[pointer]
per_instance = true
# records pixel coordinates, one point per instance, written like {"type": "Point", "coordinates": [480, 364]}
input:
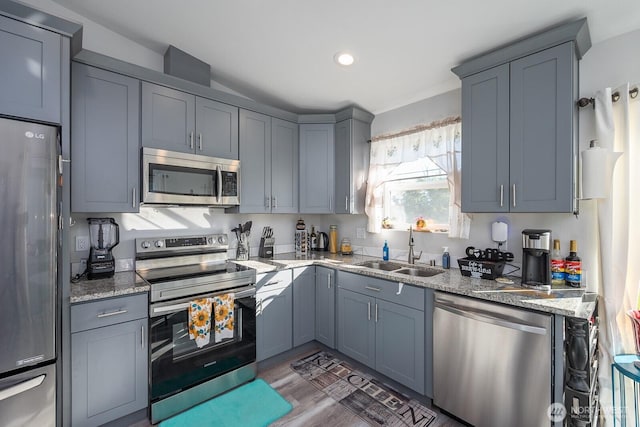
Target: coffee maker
{"type": "Point", "coordinates": [536, 257]}
{"type": "Point", "coordinates": [104, 234]}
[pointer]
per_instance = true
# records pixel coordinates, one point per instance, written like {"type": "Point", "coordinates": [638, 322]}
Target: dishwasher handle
{"type": "Point", "coordinates": [481, 317]}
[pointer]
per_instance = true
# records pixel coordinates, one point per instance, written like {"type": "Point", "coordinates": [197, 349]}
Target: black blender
{"type": "Point", "coordinates": [105, 235]}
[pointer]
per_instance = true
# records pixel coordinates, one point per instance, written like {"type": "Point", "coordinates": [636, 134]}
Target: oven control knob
{"type": "Point", "coordinates": [145, 244]}
{"type": "Point", "coordinates": [222, 240]}
{"type": "Point", "coordinates": [210, 240]}
{"type": "Point", "coordinates": [159, 243]}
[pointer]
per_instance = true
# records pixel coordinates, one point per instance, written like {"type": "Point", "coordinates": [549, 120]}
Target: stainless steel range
{"type": "Point", "coordinates": [179, 271]}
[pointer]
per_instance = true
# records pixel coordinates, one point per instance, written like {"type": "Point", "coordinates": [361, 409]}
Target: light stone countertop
{"type": "Point", "coordinates": [564, 301]}
{"type": "Point", "coordinates": [122, 283]}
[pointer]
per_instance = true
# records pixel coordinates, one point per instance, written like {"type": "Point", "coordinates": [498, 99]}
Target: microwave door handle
{"type": "Point", "coordinates": [219, 194]}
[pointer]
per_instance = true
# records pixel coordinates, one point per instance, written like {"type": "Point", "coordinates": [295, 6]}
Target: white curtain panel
{"type": "Point", "coordinates": [618, 129]}
{"type": "Point", "coordinates": [442, 146]}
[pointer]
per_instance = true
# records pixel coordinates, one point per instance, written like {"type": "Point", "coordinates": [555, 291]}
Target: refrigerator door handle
{"type": "Point", "coordinates": [21, 387]}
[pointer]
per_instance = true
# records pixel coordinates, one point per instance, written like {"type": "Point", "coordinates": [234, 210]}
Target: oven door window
{"type": "Point", "coordinates": [177, 363]}
{"type": "Point", "coordinates": [179, 180]}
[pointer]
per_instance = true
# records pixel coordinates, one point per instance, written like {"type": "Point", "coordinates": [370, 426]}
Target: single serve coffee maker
{"type": "Point", "coordinates": [105, 235]}
{"type": "Point", "coordinates": [536, 258]}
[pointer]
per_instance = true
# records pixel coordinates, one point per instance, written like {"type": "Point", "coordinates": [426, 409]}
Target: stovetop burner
{"type": "Point", "coordinates": [185, 266]}
{"type": "Point", "coordinates": [189, 271]}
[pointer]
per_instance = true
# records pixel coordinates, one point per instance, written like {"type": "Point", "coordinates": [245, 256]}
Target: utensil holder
{"type": "Point", "coordinates": [242, 251]}
{"type": "Point", "coordinates": [266, 247]}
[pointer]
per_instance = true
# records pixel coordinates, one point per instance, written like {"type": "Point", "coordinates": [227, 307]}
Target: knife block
{"type": "Point", "coordinates": [266, 247]}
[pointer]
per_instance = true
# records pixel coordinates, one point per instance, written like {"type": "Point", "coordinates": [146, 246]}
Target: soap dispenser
{"type": "Point", "coordinates": [445, 258]}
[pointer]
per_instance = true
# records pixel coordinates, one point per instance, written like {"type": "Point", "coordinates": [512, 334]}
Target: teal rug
{"type": "Point", "coordinates": [254, 404]}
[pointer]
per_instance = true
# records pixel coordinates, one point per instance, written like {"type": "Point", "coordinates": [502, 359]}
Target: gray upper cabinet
{"type": "Point", "coordinates": [284, 166]}
{"type": "Point", "coordinates": [542, 102]}
{"type": "Point", "coordinates": [519, 124]}
{"type": "Point", "coordinates": [351, 165]}
{"type": "Point", "coordinates": [485, 141]}
{"type": "Point", "coordinates": [216, 129]}
{"type": "Point", "coordinates": [316, 168]}
{"type": "Point", "coordinates": [105, 141]}
{"type": "Point", "coordinates": [178, 121]}
{"type": "Point", "coordinates": [304, 305]}
{"type": "Point", "coordinates": [325, 306]}
{"type": "Point", "coordinates": [269, 164]}
{"type": "Point", "coordinates": [168, 118]}
{"type": "Point", "coordinates": [31, 71]}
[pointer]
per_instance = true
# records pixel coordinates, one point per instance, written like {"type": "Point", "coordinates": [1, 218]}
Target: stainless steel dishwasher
{"type": "Point", "coordinates": [491, 362]}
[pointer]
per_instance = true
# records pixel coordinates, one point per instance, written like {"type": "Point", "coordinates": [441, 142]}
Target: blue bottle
{"type": "Point", "coordinates": [445, 258]}
{"type": "Point", "coordinates": [385, 252]}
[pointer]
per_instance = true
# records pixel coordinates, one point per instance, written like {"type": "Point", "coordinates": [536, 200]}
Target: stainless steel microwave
{"type": "Point", "coordinates": [173, 178]}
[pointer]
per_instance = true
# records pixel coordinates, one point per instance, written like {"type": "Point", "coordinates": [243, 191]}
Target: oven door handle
{"type": "Point", "coordinates": [158, 310]}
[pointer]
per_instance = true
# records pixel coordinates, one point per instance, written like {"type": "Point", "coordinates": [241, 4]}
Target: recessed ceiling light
{"type": "Point", "coordinates": [343, 58]}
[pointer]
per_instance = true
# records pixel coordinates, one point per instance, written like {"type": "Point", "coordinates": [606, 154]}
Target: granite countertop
{"type": "Point", "coordinates": [122, 283]}
{"type": "Point", "coordinates": [562, 301]}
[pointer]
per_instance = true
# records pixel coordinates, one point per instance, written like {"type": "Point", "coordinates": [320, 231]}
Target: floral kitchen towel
{"type": "Point", "coordinates": [223, 306]}
{"type": "Point", "coordinates": [200, 321]}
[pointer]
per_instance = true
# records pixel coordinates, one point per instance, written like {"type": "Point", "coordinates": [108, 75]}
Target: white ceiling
{"type": "Point", "coordinates": [280, 52]}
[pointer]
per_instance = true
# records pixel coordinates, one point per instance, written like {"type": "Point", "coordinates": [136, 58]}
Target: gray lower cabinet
{"type": "Point", "coordinates": [304, 305]}
{"type": "Point", "coordinates": [105, 141]}
{"type": "Point", "coordinates": [518, 134]}
{"type": "Point", "coordinates": [382, 328]}
{"type": "Point", "coordinates": [269, 164]}
{"type": "Point", "coordinates": [179, 121]}
{"type": "Point", "coordinates": [317, 168]}
{"type": "Point", "coordinates": [109, 359]}
{"type": "Point", "coordinates": [30, 74]}
{"type": "Point", "coordinates": [325, 299]}
{"type": "Point", "coordinates": [274, 317]}
{"type": "Point", "coordinates": [351, 165]}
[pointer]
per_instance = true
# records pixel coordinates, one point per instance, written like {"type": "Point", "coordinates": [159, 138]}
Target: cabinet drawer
{"type": "Point", "coordinates": [107, 312]}
{"type": "Point", "coordinates": [387, 290]}
{"type": "Point", "coordinates": [274, 280]}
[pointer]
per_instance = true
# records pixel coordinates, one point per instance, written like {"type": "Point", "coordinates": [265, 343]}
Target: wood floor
{"type": "Point", "coordinates": [311, 407]}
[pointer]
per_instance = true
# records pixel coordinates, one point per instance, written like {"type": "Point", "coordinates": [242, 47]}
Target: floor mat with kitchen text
{"type": "Point", "coordinates": [372, 400]}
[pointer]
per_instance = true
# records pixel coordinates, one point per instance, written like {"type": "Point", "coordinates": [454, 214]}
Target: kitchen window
{"type": "Point", "coordinates": [417, 194]}
{"type": "Point", "coordinates": [414, 179]}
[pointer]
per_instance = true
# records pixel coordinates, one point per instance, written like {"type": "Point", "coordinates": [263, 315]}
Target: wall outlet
{"type": "Point", "coordinates": [82, 243]}
{"type": "Point", "coordinates": [361, 233]}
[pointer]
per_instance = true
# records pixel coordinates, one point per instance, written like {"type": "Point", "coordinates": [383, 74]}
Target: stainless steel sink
{"type": "Point", "coordinates": [381, 265]}
{"type": "Point", "coordinates": [394, 267]}
{"type": "Point", "coordinates": [418, 272]}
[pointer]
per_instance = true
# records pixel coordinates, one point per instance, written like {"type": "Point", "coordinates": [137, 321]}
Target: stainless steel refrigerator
{"type": "Point", "coordinates": [28, 313]}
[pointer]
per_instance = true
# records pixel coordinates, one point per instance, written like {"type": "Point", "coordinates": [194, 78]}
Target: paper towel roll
{"type": "Point", "coordinates": [597, 172]}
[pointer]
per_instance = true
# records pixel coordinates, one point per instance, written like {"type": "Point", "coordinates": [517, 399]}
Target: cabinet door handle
{"type": "Point", "coordinates": [368, 310]}
{"type": "Point", "coordinates": [111, 313]}
{"type": "Point", "coordinates": [330, 203]}
{"type": "Point", "coordinates": [275, 282]}
{"type": "Point", "coordinates": [346, 203]}
{"type": "Point", "coordinates": [191, 139]}
{"type": "Point", "coordinates": [133, 197]}
{"type": "Point", "coordinates": [501, 195]}
{"type": "Point", "coordinates": [376, 312]}
{"type": "Point", "coordinates": [142, 336]}
{"type": "Point", "coordinates": [371, 288]}
{"type": "Point", "coordinates": [200, 141]}
{"type": "Point", "coordinates": [275, 202]}
{"type": "Point", "coordinates": [328, 281]}
{"type": "Point", "coordinates": [267, 202]}
{"type": "Point", "coordinates": [514, 195]}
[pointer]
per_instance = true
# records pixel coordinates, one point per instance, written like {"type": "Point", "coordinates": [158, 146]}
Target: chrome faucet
{"type": "Point", "coordinates": [412, 258]}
